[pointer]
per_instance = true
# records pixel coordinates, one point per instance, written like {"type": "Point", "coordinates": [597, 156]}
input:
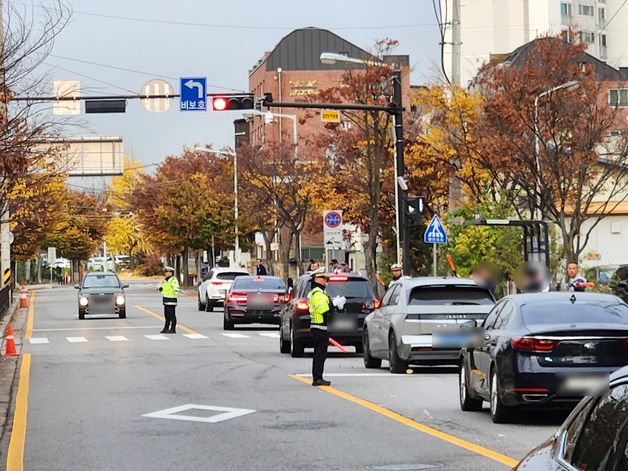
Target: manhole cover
{"type": "Point", "coordinates": [403, 467]}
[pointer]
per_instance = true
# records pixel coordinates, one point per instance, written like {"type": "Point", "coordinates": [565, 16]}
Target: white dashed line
{"type": "Point", "coordinates": [116, 338]}
{"type": "Point", "coordinates": [236, 336]}
{"type": "Point", "coordinates": [38, 340]}
{"type": "Point", "coordinates": [156, 337]}
{"type": "Point", "coordinates": [272, 335]}
{"type": "Point", "coordinates": [195, 336]}
{"type": "Point", "coordinates": [76, 339]}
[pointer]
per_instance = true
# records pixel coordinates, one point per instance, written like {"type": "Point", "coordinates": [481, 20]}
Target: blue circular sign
{"type": "Point", "coordinates": [333, 219]}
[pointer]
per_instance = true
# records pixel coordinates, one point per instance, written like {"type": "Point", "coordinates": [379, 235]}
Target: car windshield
{"type": "Point", "coordinates": [349, 289]}
{"type": "Point", "coordinates": [450, 295]}
{"type": "Point", "coordinates": [557, 312]}
{"type": "Point", "coordinates": [101, 281]}
{"type": "Point", "coordinates": [250, 283]}
{"type": "Point", "coordinates": [230, 275]}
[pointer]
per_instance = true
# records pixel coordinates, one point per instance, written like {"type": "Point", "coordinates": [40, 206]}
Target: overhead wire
{"type": "Point", "coordinates": [91, 78]}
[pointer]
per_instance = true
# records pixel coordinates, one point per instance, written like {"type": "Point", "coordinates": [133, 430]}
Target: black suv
{"type": "Point", "coordinates": [345, 326]}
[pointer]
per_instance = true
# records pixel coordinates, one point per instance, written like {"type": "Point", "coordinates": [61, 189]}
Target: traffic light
{"type": "Point", "coordinates": [227, 103]}
{"type": "Point", "coordinates": [414, 208]}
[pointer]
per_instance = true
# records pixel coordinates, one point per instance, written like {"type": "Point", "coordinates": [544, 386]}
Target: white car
{"type": "Point", "coordinates": [213, 289]}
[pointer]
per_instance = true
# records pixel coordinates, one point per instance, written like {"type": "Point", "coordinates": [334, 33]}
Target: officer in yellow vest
{"type": "Point", "coordinates": [320, 310]}
{"type": "Point", "coordinates": [169, 292]}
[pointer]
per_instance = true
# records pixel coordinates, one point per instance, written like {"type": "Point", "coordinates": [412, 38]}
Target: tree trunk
{"type": "Point", "coordinates": [184, 267]}
{"type": "Point", "coordinates": [286, 245]}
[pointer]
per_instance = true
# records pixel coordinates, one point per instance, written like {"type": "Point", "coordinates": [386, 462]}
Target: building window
{"type": "Point", "coordinates": [601, 17]}
{"type": "Point", "coordinates": [586, 10]}
{"type": "Point", "coordinates": [586, 37]}
{"type": "Point", "coordinates": [565, 13]}
{"type": "Point", "coordinates": [618, 97]}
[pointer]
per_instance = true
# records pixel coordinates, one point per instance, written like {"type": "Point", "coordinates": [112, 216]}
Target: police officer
{"type": "Point", "coordinates": [169, 292]}
{"type": "Point", "coordinates": [397, 273]}
{"type": "Point", "coordinates": [320, 309]}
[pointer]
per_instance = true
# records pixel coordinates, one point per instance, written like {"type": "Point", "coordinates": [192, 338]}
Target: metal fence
{"type": "Point", "coordinates": [5, 299]}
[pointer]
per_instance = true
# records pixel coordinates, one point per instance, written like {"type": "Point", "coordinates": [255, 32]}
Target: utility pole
{"type": "Point", "coordinates": [455, 42]}
{"type": "Point", "coordinates": [5, 233]}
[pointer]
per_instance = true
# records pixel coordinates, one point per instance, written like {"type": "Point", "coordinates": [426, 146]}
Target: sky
{"type": "Point", "coordinates": [232, 37]}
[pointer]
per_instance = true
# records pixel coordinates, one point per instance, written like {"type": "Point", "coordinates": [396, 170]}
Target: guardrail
{"type": "Point", "coordinates": [5, 298]}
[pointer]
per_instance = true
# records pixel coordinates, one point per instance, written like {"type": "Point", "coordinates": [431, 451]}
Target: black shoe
{"type": "Point", "coordinates": [320, 382]}
{"type": "Point", "coordinates": [171, 332]}
{"type": "Point", "coordinates": [164, 331]}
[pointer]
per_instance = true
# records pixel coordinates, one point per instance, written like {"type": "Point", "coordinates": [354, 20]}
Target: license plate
{"type": "Point", "coordinates": [584, 384]}
{"type": "Point", "coordinates": [344, 325]}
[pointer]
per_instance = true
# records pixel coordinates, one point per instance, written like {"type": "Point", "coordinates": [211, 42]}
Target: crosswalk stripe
{"type": "Point", "coordinates": [195, 336]}
{"type": "Point", "coordinates": [38, 340]}
{"type": "Point", "coordinates": [236, 336]}
{"type": "Point", "coordinates": [116, 338]}
{"type": "Point", "coordinates": [76, 339]}
{"type": "Point", "coordinates": [156, 337]}
{"type": "Point", "coordinates": [272, 335]}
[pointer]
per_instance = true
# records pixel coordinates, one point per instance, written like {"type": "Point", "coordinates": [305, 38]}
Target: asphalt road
{"type": "Point", "coordinates": [92, 383]}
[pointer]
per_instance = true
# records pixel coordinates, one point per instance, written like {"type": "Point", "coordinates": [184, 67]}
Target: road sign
{"type": "Point", "coordinates": [332, 229]}
{"type": "Point", "coordinates": [435, 232]}
{"type": "Point", "coordinates": [52, 255]}
{"type": "Point", "coordinates": [7, 238]}
{"type": "Point", "coordinates": [174, 413]}
{"type": "Point", "coordinates": [66, 89]}
{"type": "Point", "coordinates": [193, 94]}
{"type": "Point", "coordinates": [156, 88]}
{"type": "Point", "coordinates": [330, 116]}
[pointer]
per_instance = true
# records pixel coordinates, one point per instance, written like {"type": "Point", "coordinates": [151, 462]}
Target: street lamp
{"type": "Point", "coordinates": [268, 118]}
{"type": "Point", "coordinates": [403, 256]}
{"type": "Point", "coordinates": [569, 86]}
{"type": "Point", "coordinates": [229, 153]}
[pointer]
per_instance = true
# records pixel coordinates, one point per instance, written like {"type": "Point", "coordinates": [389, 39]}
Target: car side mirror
{"type": "Point", "coordinates": [125, 286]}
{"type": "Point", "coordinates": [77, 286]}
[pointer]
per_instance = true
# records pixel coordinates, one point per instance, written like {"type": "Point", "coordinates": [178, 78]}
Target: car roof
{"type": "Point", "coordinates": [227, 269]}
{"type": "Point", "coordinates": [561, 296]}
{"type": "Point", "coordinates": [353, 276]}
{"type": "Point", "coordinates": [435, 280]}
{"type": "Point", "coordinates": [265, 277]}
{"type": "Point", "coordinates": [92, 274]}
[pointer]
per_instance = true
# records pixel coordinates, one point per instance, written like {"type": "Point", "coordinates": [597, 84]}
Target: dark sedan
{"type": "Point", "coordinates": [101, 293]}
{"type": "Point", "coordinates": [540, 350]}
{"type": "Point", "coordinates": [594, 436]}
{"type": "Point", "coordinates": [254, 300]}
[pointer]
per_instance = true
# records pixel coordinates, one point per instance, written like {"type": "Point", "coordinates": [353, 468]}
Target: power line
{"type": "Point", "coordinates": [613, 17]}
{"type": "Point", "coordinates": [91, 78]}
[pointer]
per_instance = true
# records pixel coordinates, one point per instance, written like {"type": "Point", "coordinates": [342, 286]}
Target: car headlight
{"type": "Point", "coordinates": [120, 300]}
{"type": "Point", "coordinates": [83, 301]}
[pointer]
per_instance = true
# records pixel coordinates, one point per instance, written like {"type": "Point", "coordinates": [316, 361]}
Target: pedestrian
{"type": "Point", "coordinates": [169, 292]}
{"type": "Point", "coordinates": [310, 263]}
{"type": "Point", "coordinates": [320, 309]}
{"type": "Point", "coordinates": [333, 267]}
{"type": "Point", "coordinates": [313, 266]}
{"type": "Point", "coordinates": [260, 269]}
{"type": "Point", "coordinates": [577, 282]}
{"type": "Point", "coordinates": [344, 268]}
{"type": "Point", "coordinates": [397, 273]}
{"type": "Point", "coordinates": [536, 280]}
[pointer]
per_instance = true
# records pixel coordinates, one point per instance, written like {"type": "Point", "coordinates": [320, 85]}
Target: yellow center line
{"type": "Point", "coordinates": [163, 319]}
{"type": "Point", "coordinates": [31, 316]}
{"type": "Point", "coordinates": [15, 455]}
{"type": "Point", "coordinates": [480, 450]}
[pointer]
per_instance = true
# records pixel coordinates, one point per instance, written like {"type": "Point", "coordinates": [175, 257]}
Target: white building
{"type": "Point", "coordinates": [500, 26]}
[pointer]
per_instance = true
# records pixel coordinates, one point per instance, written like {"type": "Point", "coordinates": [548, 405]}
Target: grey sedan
{"type": "Point", "coordinates": [412, 311]}
{"type": "Point", "coordinates": [101, 293]}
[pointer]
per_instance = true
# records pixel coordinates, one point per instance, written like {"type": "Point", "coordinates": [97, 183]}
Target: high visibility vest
{"type": "Point", "coordinates": [319, 306]}
{"type": "Point", "coordinates": [170, 289]}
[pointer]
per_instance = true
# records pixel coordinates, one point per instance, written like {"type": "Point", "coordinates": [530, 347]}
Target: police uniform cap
{"type": "Point", "coordinates": [169, 269]}
{"type": "Point", "coordinates": [395, 266]}
{"type": "Point", "coordinates": [320, 273]}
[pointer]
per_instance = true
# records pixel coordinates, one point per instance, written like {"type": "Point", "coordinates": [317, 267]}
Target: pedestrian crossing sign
{"type": "Point", "coordinates": [435, 232]}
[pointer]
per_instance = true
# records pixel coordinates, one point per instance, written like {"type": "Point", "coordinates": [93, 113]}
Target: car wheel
{"type": "Point", "coordinates": [227, 324]}
{"type": "Point", "coordinates": [284, 345]}
{"type": "Point", "coordinates": [201, 306]}
{"type": "Point", "coordinates": [209, 305]}
{"type": "Point", "coordinates": [500, 414]}
{"type": "Point", "coordinates": [297, 347]}
{"type": "Point", "coordinates": [467, 403]}
{"type": "Point", "coordinates": [81, 315]}
{"type": "Point", "coordinates": [122, 314]}
{"type": "Point", "coordinates": [397, 365]}
{"type": "Point", "coordinates": [369, 361]}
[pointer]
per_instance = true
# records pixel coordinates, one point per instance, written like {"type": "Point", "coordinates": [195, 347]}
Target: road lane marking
{"type": "Point", "coordinates": [162, 318]}
{"type": "Point", "coordinates": [236, 336]}
{"type": "Point", "coordinates": [31, 317]}
{"type": "Point", "coordinates": [174, 413]}
{"type": "Point", "coordinates": [195, 336]}
{"type": "Point", "coordinates": [272, 335]}
{"type": "Point", "coordinates": [116, 338]}
{"type": "Point", "coordinates": [100, 328]}
{"type": "Point", "coordinates": [76, 339]}
{"type": "Point", "coordinates": [15, 454]}
{"type": "Point", "coordinates": [38, 340]}
{"type": "Point", "coordinates": [478, 449]}
{"type": "Point", "coordinates": [156, 337]}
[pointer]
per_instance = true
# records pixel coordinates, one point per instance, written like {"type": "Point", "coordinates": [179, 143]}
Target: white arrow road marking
{"type": "Point", "coordinates": [272, 335]}
{"type": "Point", "coordinates": [198, 85]}
{"type": "Point", "coordinates": [38, 340]}
{"type": "Point", "coordinates": [173, 413]}
{"type": "Point", "coordinates": [236, 336]}
{"type": "Point", "coordinates": [195, 336]}
{"type": "Point", "coordinates": [76, 339]}
{"type": "Point", "coordinates": [156, 337]}
{"type": "Point", "coordinates": [116, 338]}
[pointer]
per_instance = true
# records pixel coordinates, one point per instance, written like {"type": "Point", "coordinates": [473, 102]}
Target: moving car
{"type": "Point", "coordinates": [593, 437]}
{"type": "Point", "coordinates": [101, 293]}
{"type": "Point", "coordinates": [213, 289]}
{"type": "Point", "coordinates": [412, 311]}
{"type": "Point", "coordinates": [345, 325]}
{"type": "Point", "coordinates": [254, 299]}
{"type": "Point", "coordinates": [543, 349]}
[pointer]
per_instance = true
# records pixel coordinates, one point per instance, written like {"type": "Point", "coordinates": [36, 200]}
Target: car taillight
{"type": "Point", "coordinates": [338, 278]}
{"type": "Point", "coordinates": [376, 303]}
{"type": "Point", "coordinates": [302, 306]}
{"type": "Point", "coordinates": [531, 344]}
{"type": "Point", "coordinates": [217, 283]}
{"type": "Point", "coordinates": [286, 298]}
{"type": "Point", "coordinates": [275, 298]}
{"type": "Point", "coordinates": [237, 297]}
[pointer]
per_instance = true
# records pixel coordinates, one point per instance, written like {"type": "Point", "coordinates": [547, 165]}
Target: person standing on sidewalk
{"type": "Point", "coordinates": [169, 292]}
{"type": "Point", "coordinates": [320, 309]}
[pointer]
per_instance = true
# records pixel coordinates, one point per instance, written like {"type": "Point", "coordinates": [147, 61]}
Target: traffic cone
{"type": "Point", "coordinates": [10, 350]}
{"type": "Point", "coordinates": [23, 297]}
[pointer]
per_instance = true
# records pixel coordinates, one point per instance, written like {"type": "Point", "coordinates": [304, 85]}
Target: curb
{"type": "Point", "coordinates": [8, 369]}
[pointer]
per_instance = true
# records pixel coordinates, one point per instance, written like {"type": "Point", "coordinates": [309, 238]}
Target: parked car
{"type": "Point", "coordinates": [543, 350]}
{"type": "Point", "coordinates": [213, 289]}
{"type": "Point", "coordinates": [345, 325]}
{"type": "Point", "coordinates": [412, 311]}
{"type": "Point", "coordinates": [254, 299]}
{"type": "Point", "coordinates": [101, 293]}
{"type": "Point", "coordinates": [593, 437]}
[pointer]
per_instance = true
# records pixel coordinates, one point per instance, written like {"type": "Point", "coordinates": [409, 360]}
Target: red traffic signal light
{"type": "Point", "coordinates": [223, 103]}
